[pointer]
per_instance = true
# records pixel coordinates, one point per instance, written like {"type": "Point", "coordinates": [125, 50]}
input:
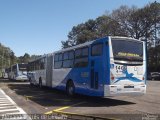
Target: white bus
{"type": "Point", "coordinates": [5, 73]}
{"type": "Point", "coordinates": [18, 72]}
{"type": "Point", "coordinates": [107, 66]}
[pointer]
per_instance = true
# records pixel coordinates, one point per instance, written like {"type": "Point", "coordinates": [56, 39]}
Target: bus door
{"type": "Point", "coordinates": [96, 65]}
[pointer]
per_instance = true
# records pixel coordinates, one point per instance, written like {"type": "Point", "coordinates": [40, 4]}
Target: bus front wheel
{"type": "Point", "coordinates": [70, 88]}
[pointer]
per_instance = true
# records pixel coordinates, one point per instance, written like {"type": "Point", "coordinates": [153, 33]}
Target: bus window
{"type": "Point", "coordinates": [84, 52]}
{"type": "Point", "coordinates": [58, 63]}
{"type": "Point", "coordinates": [68, 59]}
{"type": "Point", "coordinates": [71, 55]}
{"type": "Point", "coordinates": [81, 59]}
{"type": "Point", "coordinates": [65, 56]}
{"type": "Point", "coordinates": [37, 67]}
{"type": "Point", "coordinates": [56, 57]}
{"type": "Point", "coordinates": [22, 67]}
{"type": "Point", "coordinates": [42, 64]}
{"type": "Point", "coordinates": [60, 57]}
{"type": "Point", "coordinates": [78, 53]}
{"type": "Point", "coordinates": [97, 50]}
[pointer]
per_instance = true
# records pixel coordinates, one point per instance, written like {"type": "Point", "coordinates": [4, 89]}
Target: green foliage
{"type": "Point", "coordinates": [92, 29]}
{"type": "Point", "coordinates": [154, 59]}
{"type": "Point", "coordinates": [139, 23]}
{"type": "Point", "coordinates": [133, 22]}
{"type": "Point", "coordinates": [27, 58]}
{"type": "Point", "coordinates": [24, 59]}
{"type": "Point", "coordinates": [7, 57]}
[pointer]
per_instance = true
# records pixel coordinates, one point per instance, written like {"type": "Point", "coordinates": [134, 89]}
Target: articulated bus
{"type": "Point", "coordinates": [18, 72]}
{"type": "Point", "coordinates": [107, 66]}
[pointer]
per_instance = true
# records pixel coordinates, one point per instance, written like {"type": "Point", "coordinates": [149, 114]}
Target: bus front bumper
{"type": "Point", "coordinates": [119, 90]}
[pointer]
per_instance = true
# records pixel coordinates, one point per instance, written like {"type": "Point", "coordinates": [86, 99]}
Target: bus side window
{"type": "Point", "coordinates": [71, 58]}
{"type": "Point", "coordinates": [65, 60]}
{"type": "Point", "coordinates": [65, 56]}
{"type": "Point", "coordinates": [68, 59]}
{"type": "Point", "coordinates": [81, 57]}
{"type": "Point", "coordinates": [37, 64]}
{"type": "Point", "coordinates": [97, 49]}
{"type": "Point", "coordinates": [42, 63]}
{"type": "Point", "coordinates": [58, 58]}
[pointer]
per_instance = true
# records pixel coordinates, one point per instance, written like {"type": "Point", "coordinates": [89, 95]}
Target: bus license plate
{"type": "Point", "coordinates": [128, 86]}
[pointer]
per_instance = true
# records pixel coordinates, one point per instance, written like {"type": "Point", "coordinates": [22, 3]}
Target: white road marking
{"type": "Point", "coordinates": [5, 104]}
{"type": "Point", "coordinates": [9, 107]}
{"type": "Point", "coordinates": [3, 107]}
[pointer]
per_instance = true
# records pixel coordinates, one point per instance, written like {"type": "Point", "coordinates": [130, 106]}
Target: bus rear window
{"type": "Point", "coordinates": [127, 50]}
{"type": "Point", "coordinates": [22, 67]}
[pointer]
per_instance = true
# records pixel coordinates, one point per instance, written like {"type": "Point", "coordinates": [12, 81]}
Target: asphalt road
{"type": "Point", "coordinates": [34, 100]}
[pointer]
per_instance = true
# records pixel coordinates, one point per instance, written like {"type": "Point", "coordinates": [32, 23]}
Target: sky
{"type": "Point", "coordinates": [39, 26]}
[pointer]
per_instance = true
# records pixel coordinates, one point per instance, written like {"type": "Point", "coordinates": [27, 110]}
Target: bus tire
{"type": "Point", "coordinates": [40, 82]}
{"type": "Point", "coordinates": [70, 89]}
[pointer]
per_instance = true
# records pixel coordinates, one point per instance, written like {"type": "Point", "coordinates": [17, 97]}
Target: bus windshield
{"type": "Point", "coordinates": [22, 69]}
{"type": "Point", "coordinates": [127, 50]}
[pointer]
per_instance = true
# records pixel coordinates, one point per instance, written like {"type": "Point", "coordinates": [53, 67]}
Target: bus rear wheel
{"type": "Point", "coordinates": [70, 88]}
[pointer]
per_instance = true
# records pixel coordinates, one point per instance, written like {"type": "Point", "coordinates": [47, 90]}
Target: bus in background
{"type": "Point", "coordinates": [18, 72]}
{"type": "Point", "coordinates": [107, 66]}
{"type": "Point", "coordinates": [5, 73]}
{"type": "Point", "coordinates": [37, 71]}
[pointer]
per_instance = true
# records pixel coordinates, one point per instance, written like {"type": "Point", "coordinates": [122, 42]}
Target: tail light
{"type": "Point", "coordinates": [112, 77]}
{"type": "Point", "coordinates": [142, 78]}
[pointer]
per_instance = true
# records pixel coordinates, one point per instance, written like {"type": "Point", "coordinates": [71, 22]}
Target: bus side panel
{"type": "Point", "coordinates": [81, 76]}
{"type": "Point", "coordinates": [96, 76]}
{"type": "Point", "coordinates": [59, 78]}
{"type": "Point", "coordinates": [96, 72]}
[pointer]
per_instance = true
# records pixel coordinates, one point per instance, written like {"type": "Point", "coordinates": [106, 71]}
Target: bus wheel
{"type": "Point", "coordinates": [40, 83]}
{"type": "Point", "coordinates": [70, 88]}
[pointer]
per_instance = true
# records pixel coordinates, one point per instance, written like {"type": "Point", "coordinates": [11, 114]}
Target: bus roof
{"type": "Point", "coordinates": [129, 38]}
{"type": "Point", "coordinates": [82, 45]}
{"type": "Point", "coordinates": [90, 42]}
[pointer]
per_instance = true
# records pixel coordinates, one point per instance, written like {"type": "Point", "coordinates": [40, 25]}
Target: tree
{"type": "Point", "coordinates": [92, 29]}
{"type": "Point", "coordinates": [24, 59]}
{"type": "Point", "coordinates": [7, 57]}
{"type": "Point", "coordinates": [81, 33]}
{"type": "Point", "coordinates": [12, 58]}
{"type": "Point", "coordinates": [138, 23]}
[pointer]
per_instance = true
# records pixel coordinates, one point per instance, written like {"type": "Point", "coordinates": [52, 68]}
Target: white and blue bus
{"type": "Point", "coordinates": [107, 66]}
{"type": "Point", "coordinates": [18, 72]}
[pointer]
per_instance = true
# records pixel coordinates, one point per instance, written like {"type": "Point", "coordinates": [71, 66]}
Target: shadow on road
{"type": "Point", "coordinates": [51, 97]}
